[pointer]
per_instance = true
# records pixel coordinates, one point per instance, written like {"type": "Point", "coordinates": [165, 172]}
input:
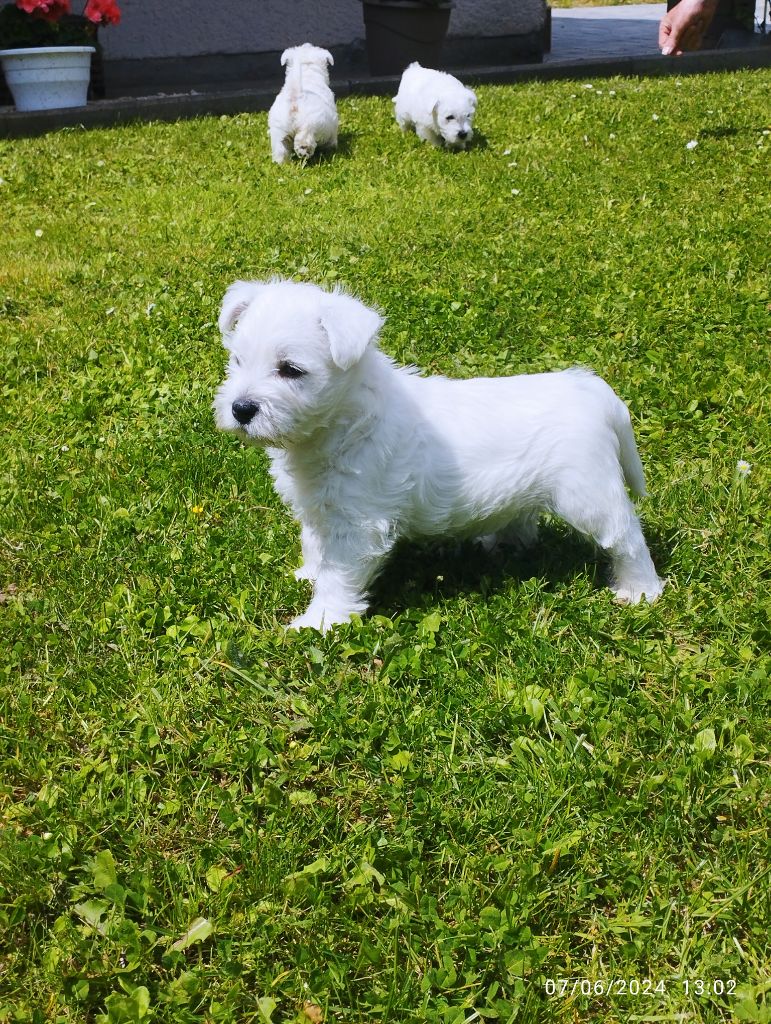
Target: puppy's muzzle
{"type": "Point", "coordinates": [244, 412]}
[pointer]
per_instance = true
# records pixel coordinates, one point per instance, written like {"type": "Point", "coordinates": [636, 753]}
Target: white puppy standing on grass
{"type": "Point", "coordinates": [438, 106]}
{"type": "Point", "coordinates": [303, 116]}
{"type": "Point", "coordinates": [366, 452]}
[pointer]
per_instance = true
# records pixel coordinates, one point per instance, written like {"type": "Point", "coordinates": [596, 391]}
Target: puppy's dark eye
{"type": "Point", "coordinates": [289, 371]}
{"type": "Point", "coordinates": [450, 117]}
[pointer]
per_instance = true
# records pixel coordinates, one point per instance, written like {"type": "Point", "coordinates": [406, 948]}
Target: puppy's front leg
{"type": "Point", "coordinates": [404, 122]}
{"type": "Point", "coordinates": [428, 135]}
{"type": "Point", "coordinates": [312, 555]}
{"type": "Point", "coordinates": [339, 590]}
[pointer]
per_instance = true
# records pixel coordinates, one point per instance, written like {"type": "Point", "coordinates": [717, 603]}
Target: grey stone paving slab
{"type": "Point", "coordinates": [579, 33]}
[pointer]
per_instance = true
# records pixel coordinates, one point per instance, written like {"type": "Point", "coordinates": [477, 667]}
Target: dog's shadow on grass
{"type": "Point", "coordinates": [479, 141]}
{"type": "Point", "coordinates": [326, 154]}
{"type": "Point", "coordinates": [345, 144]}
{"type": "Point", "coordinates": [419, 574]}
{"type": "Point", "coordinates": [729, 131]}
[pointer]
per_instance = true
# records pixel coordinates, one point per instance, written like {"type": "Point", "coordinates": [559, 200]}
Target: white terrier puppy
{"type": "Point", "coordinates": [303, 116]}
{"type": "Point", "coordinates": [366, 452]}
{"type": "Point", "coordinates": [439, 107]}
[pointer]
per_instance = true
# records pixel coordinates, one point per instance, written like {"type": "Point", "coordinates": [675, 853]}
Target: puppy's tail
{"type": "Point", "coordinates": [628, 454]}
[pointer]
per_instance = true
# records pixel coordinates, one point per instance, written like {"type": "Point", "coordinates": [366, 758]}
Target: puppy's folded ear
{"type": "Point", "coordinates": [285, 56]}
{"type": "Point", "coordinates": [350, 327]}
{"type": "Point", "coordinates": [472, 98]}
{"type": "Point", "coordinates": [328, 57]}
{"type": "Point", "coordinates": [237, 298]}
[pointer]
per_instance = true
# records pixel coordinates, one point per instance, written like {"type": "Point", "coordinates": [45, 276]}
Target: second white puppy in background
{"type": "Point", "coordinates": [438, 106]}
{"type": "Point", "coordinates": [303, 116]}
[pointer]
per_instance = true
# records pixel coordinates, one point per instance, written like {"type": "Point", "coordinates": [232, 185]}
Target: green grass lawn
{"type": "Point", "coordinates": [501, 795]}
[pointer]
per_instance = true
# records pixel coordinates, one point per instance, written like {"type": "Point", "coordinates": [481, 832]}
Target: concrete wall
{"type": "Point", "coordinates": [188, 28]}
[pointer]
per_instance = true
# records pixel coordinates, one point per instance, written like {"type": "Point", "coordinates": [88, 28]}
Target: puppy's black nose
{"type": "Point", "coordinates": [462, 135]}
{"type": "Point", "coordinates": [244, 412]}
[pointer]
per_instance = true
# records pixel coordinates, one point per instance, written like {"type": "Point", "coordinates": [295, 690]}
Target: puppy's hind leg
{"type": "Point", "coordinates": [634, 575]}
{"type": "Point", "coordinates": [521, 533]}
{"type": "Point", "coordinates": [280, 149]}
{"type": "Point", "coordinates": [611, 521]}
{"type": "Point", "coordinates": [305, 144]}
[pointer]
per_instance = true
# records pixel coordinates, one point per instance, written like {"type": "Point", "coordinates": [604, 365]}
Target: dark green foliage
{"type": "Point", "coordinates": [19, 29]}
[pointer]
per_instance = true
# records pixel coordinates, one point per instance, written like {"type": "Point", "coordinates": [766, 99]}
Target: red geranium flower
{"type": "Point", "coordinates": [102, 12]}
{"type": "Point", "coordinates": [48, 10]}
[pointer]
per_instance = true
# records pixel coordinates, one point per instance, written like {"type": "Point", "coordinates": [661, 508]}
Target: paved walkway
{"type": "Point", "coordinates": [581, 33]}
{"type": "Point", "coordinates": [589, 33]}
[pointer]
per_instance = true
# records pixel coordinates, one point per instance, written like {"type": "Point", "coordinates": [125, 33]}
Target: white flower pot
{"type": "Point", "coordinates": [48, 77]}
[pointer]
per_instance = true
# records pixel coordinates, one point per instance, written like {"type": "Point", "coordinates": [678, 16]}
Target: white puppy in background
{"type": "Point", "coordinates": [366, 452]}
{"type": "Point", "coordinates": [439, 107]}
{"type": "Point", "coordinates": [303, 116]}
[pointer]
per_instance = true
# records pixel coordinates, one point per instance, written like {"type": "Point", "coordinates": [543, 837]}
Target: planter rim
{"type": "Point", "coordinates": [46, 49]}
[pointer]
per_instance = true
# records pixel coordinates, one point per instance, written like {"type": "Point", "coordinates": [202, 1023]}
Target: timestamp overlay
{"type": "Point", "coordinates": [640, 988]}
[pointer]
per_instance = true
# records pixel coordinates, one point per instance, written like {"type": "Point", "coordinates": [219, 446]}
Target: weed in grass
{"type": "Point", "coordinates": [499, 781]}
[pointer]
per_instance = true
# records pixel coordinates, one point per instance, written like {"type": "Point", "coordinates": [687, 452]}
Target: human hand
{"type": "Point", "coordinates": [684, 26]}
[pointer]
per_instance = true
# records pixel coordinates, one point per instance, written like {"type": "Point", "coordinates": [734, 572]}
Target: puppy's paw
{"type": "Point", "coordinates": [305, 572]}
{"type": "Point", "coordinates": [304, 146]}
{"type": "Point", "coordinates": [322, 618]}
{"type": "Point", "coordinates": [306, 622]}
{"type": "Point", "coordinates": [633, 592]}
{"type": "Point", "coordinates": [312, 620]}
{"type": "Point", "coordinates": [434, 140]}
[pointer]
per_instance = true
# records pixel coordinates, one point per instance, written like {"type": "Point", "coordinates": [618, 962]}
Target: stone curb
{"type": "Point", "coordinates": [181, 106]}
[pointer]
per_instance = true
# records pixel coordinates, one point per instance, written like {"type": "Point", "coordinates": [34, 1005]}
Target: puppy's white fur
{"type": "Point", "coordinates": [303, 116]}
{"type": "Point", "coordinates": [438, 106]}
{"type": "Point", "coordinates": [366, 452]}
